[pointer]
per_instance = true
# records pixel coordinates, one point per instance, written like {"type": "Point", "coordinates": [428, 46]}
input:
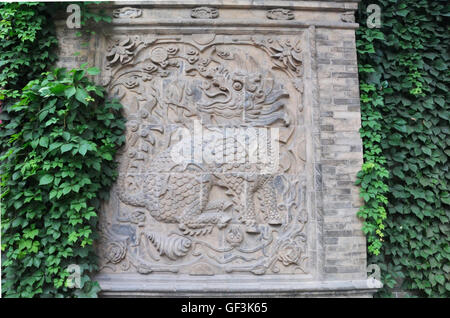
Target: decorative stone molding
{"type": "Point", "coordinates": [348, 17]}
{"type": "Point", "coordinates": [127, 12]}
{"type": "Point", "coordinates": [280, 14]}
{"type": "Point", "coordinates": [204, 13]}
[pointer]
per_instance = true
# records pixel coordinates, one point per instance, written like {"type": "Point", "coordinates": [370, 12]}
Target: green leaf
{"type": "Point", "coordinates": [426, 150]}
{"type": "Point", "coordinates": [70, 91]}
{"type": "Point", "coordinates": [83, 149]}
{"type": "Point", "coordinates": [58, 88]}
{"type": "Point", "coordinates": [66, 147]}
{"type": "Point", "coordinates": [107, 156]}
{"type": "Point", "coordinates": [42, 115]}
{"type": "Point", "coordinates": [81, 95]}
{"type": "Point", "coordinates": [93, 71]}
{"type": "Point", "coordinates": [43, 141]}
{"type": "Point", "coordinates": [46, 179]}
{"type": "Point", "coordinates": [440, 279]}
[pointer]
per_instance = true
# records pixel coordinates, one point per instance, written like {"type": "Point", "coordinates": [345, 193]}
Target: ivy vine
{"type": "Point", "coordinates": [59, 134]}
{"type": "Point", "coordinates": [404, 81]}
{"type": "Point", "coordinates": [29, 42]}
{"type": "Point", "coordinates": [58, 143]}
{"type": "Point", "coordinates": [27, 46]}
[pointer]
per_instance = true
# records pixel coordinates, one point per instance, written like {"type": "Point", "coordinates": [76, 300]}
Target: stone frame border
{"type": "Point", "coordinates": [324, 284]}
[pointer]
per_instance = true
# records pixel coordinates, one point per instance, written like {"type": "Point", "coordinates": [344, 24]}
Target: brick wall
{"type": "Point", "coordinates": [341, 154]}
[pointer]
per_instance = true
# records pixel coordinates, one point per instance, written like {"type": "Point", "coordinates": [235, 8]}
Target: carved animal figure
{"type": "Point", "coordinates": [179, 192]}
{"type": "Point", "coordinates": [253, 98]}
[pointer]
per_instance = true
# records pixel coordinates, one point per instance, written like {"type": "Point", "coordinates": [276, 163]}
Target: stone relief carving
{"type": "Point", "coordinates": [286, 56]}
{"type": "Point", "coordinates": [120, 51]}
{"type": "Point", "coordinates": [348, 17]}
{"type": "Point", "coordinates": [204, 216]}
{"type": "Point", "coordinates": [204, 13]}
{"type": "Point", "coordinates": [127, 12]}
{"type": "Point", "coordinates": [280, 14]}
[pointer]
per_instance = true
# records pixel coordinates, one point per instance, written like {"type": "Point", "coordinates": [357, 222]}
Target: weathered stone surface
{"type": "Point", "coordinates": [210, 215]}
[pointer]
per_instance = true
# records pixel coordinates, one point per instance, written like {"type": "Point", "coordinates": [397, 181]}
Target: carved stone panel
{"type": "Point", "coordinates": [242, 148]}
{"type": "Point", "coordinates": [234, 200]}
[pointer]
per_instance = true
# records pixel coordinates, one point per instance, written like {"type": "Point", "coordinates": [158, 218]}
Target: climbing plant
{"type": "Point", "coordinates": [372, 177]}
{"type": "Point", "coordinates": [58, 144]}
{"type": "Point", "coordinates": [58, 137]}
{"type": "Point", "coordinates": [28, 40]}
{"type": "Point", "coordinates": [27, 46]}
{"type": "Point", "coordinates": [404, 77]}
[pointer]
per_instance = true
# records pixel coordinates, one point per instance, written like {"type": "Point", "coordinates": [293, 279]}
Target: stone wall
{"type": "Point", "coordinates": [287, 68]}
